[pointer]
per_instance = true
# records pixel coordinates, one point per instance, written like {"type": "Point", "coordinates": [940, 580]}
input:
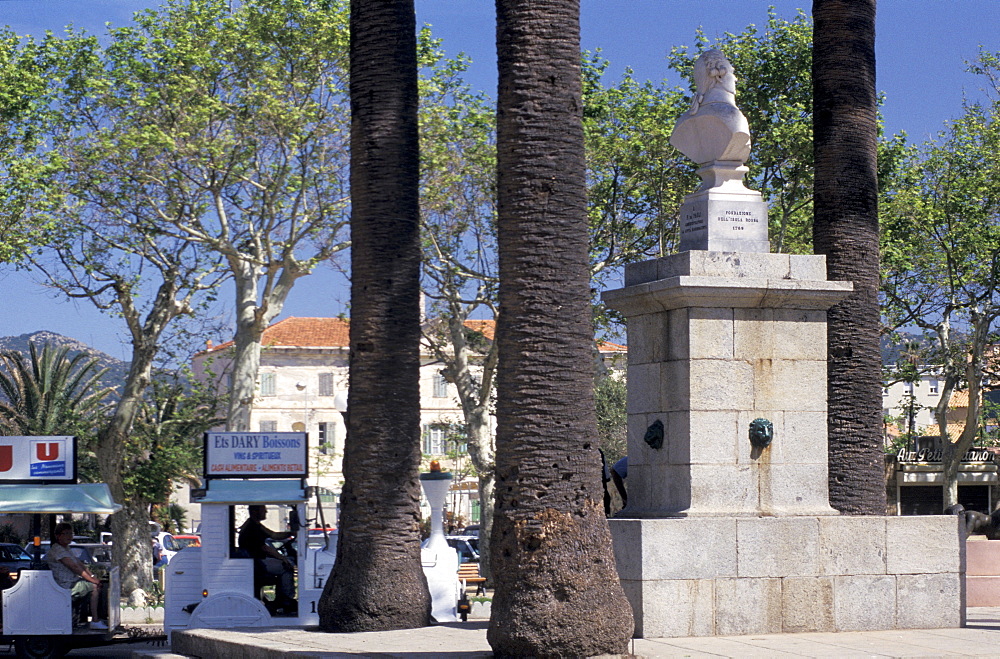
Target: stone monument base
{"type": "Point", "coordinates": [719, 576]}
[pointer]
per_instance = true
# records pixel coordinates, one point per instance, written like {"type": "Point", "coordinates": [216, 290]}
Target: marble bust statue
{"type": "Point", "coordinates": [713, 129]}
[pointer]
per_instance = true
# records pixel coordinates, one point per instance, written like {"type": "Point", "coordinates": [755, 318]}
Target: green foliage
{"type": "Point", "coordinates": [9, 534]}
{"type": "Point", "coordinates": [612, 419]}
{"type": "Point", "coordinates": [171, 517]}
{"type": "Point", "coordinates": [50, 393]}
{"type": "Point", "coordinates": [636, 179]}
{"type": "Point", "coordinates": [165, 445]}
{"type": "Point", "coordinates": [24, 103]}
{"type": "Point", "coordinates": [941, 226]}
{"type": "Point", "coordinates": [988, 66]}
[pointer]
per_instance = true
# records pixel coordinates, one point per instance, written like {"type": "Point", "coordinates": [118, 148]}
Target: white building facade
{"type": "Point", "coordinates": [302, 387]}
{"type": "Point", "coordinates": [917, 400]}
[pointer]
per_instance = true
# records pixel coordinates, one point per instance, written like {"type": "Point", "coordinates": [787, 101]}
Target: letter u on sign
{"type": "Point", "coordinates": [47, 450]}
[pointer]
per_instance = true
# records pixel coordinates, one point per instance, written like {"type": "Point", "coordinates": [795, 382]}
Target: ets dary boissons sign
{"type": "Point", "coordinates": [256, 454]}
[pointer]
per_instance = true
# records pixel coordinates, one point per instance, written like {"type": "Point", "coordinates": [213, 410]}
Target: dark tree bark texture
{"type": "Point", "coordinates": [377, 582]}
{"type": "Point", "coordinates": [846, 231]}
{"type": "Point", "coordinates": [556, 587]}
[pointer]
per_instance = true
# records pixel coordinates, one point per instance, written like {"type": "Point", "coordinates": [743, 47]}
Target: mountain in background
{"type": "Point", "coordinates": [893, 347]}
{"type": "Point", "coordinates": [117, 369]}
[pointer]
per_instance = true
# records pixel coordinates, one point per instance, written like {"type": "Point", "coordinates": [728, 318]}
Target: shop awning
{"type": "Point", "coordinates": [252, 491]}
{"type": "Point", "coordinates": [62, 498]}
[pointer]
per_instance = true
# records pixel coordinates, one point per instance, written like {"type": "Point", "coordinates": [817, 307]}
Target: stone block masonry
{"type": "Point", "coordinates": [725, 576]}
{"type": "Point", "coordinates": [716, 340]}
{"type": "Point", "coordinates": [722, 536]}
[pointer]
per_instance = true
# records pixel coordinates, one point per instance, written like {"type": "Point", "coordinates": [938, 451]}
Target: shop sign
{"type": "Point", "coordinates": [974, 454]}
{"type": "Point", "coordinates": [256, 454]}
{"type": "Point", "coordinates": [38, 459]}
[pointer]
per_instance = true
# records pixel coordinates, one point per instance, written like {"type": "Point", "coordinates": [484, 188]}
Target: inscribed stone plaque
{"type": "Point", "coordinates": [724, 225]}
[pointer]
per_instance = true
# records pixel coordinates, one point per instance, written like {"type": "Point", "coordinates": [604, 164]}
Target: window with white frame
{"type": "Point", "coordinates": [267, 384]}
{"type": "Point", "coordinates": [933, 385]}
{"type": "Point", "coordinates": [269, 426]}
{"type": "Point", "coordinates": [325, 438]}
{"type": "Point", "coordinates": [440, 386]}
{"type": "Point", "coordinates": [434, 440]}
{"type": "Point", "coordinates": [326, 384]}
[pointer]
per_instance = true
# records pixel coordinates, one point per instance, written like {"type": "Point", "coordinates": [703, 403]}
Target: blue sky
{"type": "Point", "coordinates": [921, 49]}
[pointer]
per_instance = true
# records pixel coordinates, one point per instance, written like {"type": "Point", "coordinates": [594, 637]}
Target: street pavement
{"type": "Point", "coordinates": [979, 638]}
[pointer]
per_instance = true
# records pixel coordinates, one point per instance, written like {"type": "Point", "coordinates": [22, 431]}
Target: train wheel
{"type": "Point", "coordinates": [40, 647]}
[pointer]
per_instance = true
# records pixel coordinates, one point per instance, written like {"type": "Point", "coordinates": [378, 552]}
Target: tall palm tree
{"type": "Point", "coordinates": [377, 582]}
{"type": "Point", "coordinates": [49, 393]}
{"type": "Point", "coordinates": [556, 588]}
{"type": "Point", "coordinates": [846, 230]}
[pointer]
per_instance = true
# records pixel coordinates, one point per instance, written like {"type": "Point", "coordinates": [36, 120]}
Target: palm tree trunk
{"type": "Point", "coordinates": [377, 582]}
{"type": "Point", "coordinates": [556, 588]}
{"type": "Point", "coordinates": [846, 230]}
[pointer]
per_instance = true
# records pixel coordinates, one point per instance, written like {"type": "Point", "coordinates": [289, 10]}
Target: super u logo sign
{"type": "Point", "coordinates": [38, 459]}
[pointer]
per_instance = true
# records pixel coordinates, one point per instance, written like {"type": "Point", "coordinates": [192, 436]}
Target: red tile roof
{"type": "Point", "coordinates": [303, 333]}
{"type": "Point", "coordinates": [334, 333]}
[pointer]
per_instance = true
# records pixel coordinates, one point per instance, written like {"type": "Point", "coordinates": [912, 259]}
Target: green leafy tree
{"type": "Point", "coordinates": [227, 125]}
{"type": "Point", "coordinates": [25, 66]}
{"type": "Point", "coordinates": [50, 393]}
{"type": "Point", "coordinates": [612, 417]}
{"type": "Point", "coordinates": [941, 264]}
{"type": "Point", "coordinates": [165, 444]}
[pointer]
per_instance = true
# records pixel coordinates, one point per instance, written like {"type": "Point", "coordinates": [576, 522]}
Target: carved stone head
{"type": "Point", "coordinates": [761, 433]}
{"type": "Point", "coordinates": [712, 70]}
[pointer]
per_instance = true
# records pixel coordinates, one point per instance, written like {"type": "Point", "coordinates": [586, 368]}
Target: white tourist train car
{"type": "Point", "coordinates": [36, 590]}
{"type": "Point", "coordinates": [213, 585]}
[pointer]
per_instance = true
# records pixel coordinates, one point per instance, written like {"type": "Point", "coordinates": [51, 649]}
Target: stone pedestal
{"type": "Point", "coordinates": [717, 340]}
{"type": "Point", "coordinates": [718, 576]}
{"type": "Point", "coordinates": [724, 215]}
{"type": "Point", "coordinates": [721, 536]}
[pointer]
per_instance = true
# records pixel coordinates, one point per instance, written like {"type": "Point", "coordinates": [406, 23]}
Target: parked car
{"type": "Point", "coordinates": [30, 547]}
{"type": "Point", "coordinates": [317, 536]}
{"type": "Point", "coordinates": [467, 547]}
{"type": "Point", "coordinates": [167, 547]}
{"type": "Point", "coordinates": [472, 529]}
{"type": "Point", "coordinates": [179, 542]}
{"type": "Point", "coordinates": [92, 552]}
{"type": "Point", "coordinates": [13, 557]}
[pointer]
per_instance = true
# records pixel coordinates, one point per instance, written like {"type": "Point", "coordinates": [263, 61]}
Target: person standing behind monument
{"type": "Point", "coordinates": [619, 472]}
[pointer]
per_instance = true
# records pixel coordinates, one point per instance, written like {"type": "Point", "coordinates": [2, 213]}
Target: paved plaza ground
{"type": "Point", "coordinates": [980, 638]}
